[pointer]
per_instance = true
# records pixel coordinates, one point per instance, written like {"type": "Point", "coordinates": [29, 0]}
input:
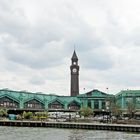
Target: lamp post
{"type": "Point", "coordinates": [56, 115]}
{"type": "Point", "coordinates": [103, 115]}
{"type": "Point", "coordinates": [69, 114]}
{"type": "Point", "coordinates": [107, 109]}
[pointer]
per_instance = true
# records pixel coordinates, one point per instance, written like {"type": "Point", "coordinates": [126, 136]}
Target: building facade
{"type": "Point", "coordinates": [27, 101]}
{"type": "Point", "coordinates": [129, 100]}
{"type": "Point", "coordinates": [98, 101]}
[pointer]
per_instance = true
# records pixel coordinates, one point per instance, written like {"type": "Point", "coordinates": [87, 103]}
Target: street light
{"type": "Point", "coordinates": [69, 114]}
{"type": "Point", "coordinates": [56, 115]}
{"type": "Point", "coordinates": [107, 109]}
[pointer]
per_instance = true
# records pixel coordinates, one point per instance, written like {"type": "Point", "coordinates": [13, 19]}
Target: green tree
{"type": "Point", "coordinates": [86, 111]}
{"type": "Point", "coordinates": [41, 115]}
{"type": "Point", "coordinates": [3, 112]}
{"type": "Point", "coordinates": [27, 115]}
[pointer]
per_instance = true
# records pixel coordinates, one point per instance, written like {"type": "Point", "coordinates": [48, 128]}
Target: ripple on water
{"type": "Point", "coordinates": [31, 133]}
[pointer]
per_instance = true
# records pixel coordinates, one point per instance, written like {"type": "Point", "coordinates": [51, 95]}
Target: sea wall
{"type": "Point", "coordinates": [89, 126]}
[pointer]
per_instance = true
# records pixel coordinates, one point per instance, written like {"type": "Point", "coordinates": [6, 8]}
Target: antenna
{"type": "Point", "coordinates": [74, 47]}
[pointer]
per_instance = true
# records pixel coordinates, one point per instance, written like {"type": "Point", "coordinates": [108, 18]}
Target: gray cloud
{"type": "Point", "coordinates": [47, 43]}
{"type": "Point", "coordinates": [36, 80]}
{"type": "Point", "coordinates": [98, 59]}
{"type": "Point", "coordinates": [40, 37]}
{"type": "Point", "coordinates": [32, 57]}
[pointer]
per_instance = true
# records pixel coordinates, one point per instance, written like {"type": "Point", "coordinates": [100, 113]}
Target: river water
{"type": "Point", "coordinates": [32, 133]}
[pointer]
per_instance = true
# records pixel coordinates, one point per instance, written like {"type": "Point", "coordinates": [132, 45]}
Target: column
{"type": "Point", "coordinates": [21, 104]}
{"type": "Point", "coordinates": [82, 104]}
{"type": "Point", "coordinates": [123, 102]}
{"type": "Point", "coordinates": [66, 106]}
{"type": "Point", "coordinates": [92, 104]}
{"type": "Point", "coordinates": [85, 103]}
{"type": "Point", "coordinates": [46, 104]}
{"type": "Point", "coordinates": [100, 104]}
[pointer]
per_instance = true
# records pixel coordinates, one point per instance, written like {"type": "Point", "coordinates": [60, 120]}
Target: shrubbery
{"type": "Point", "coordinates": [40, 115]}
{"type": "Point", "coordinates": [86, 112]}
{"type": "Point", "coordinates": [3, 112]}
{"type": "Point", "coordinates": [27, 115]}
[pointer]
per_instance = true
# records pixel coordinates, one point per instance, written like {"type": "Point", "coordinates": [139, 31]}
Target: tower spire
{"type": "Point", "coordinates": [74, 56]}
{"type": "Point", "coordinates": [74, 75]}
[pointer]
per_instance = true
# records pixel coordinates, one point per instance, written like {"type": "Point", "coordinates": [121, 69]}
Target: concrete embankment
{"type": "Point", "coordinates": [89, 126]}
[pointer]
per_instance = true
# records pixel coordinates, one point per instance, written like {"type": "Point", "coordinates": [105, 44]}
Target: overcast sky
{"type": "Point", "coordinates": [37, 40]}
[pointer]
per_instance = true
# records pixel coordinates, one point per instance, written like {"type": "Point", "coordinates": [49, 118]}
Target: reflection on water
{"type": "Point", "coordinates": [102, 135]}
{"type": "Point", "coordinates": [30, 133]}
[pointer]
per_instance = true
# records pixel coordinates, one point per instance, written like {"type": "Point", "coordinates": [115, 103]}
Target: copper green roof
{"type": "Point", "coordinates": [27, 96]}
{"type": "Point", "coordinates": [94, 93]}
{"type": "Point", "coordinates": [128, 93]}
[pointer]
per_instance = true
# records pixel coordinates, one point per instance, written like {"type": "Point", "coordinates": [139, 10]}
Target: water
{"type": "Point", "coordinates": [30, 133]}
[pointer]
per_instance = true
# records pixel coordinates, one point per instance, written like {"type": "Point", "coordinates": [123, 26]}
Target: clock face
{"type": "Point", "coordinates": [74, 63]}
{"type": "Point", "coordinates": [74, 70]}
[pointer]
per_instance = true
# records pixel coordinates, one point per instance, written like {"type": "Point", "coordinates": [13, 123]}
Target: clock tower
{"type": "Point", "coordinates": [74, 75]}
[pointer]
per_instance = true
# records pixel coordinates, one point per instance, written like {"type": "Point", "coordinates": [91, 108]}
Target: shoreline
{"type": "Point", "coordinates": [72, 125]}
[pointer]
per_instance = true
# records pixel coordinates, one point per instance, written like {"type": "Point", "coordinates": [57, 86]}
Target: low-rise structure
{"type": "Point", "coordinates": [129, 101]}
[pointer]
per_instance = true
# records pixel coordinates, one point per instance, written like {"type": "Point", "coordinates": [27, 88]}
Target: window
{"type": "Point", "coordinates": [56, 105]}
{"type": "Point", "coordinates": [89, 103]}
{"type": "Point", "coordinates": [138, 99]}
{"type": "Point", "coordinates": [103, 105]}
{"type": "Point", "coordinates": [6, 102]}
{"type": "Point", "coordinates": [74, 106]}
{"type": "Point", "coordinates": [34, 104]}
{"type": "Point", "coordinates": [96, 104]}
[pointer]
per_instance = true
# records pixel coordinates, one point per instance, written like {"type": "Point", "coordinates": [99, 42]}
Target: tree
{"type": "Point", "coordinates": [3, 112]}
{"type": "Point", "coordinates": [27, 115]}
{"type": "Point", "coordinates": [86, 111]}
{"type": "Point", "coordinates": [41, 115]}
{"type": "Point", "coordinates": [131, 109]}
{"type": "Point", "coordinates": [115, 109]}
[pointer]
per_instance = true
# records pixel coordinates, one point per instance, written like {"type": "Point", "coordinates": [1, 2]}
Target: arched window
{"type": "Point", "coordinates": [56, 105]}
{"type": "Point", "coordinates": [8, 103]}
{"type": "Point", "coordinates": [74, 106]}
{"type": "Point", "coordinates": [34, 104]}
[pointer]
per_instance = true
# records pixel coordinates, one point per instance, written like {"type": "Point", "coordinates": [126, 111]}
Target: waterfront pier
{"type": "Point", "coordinates": [73, 125]}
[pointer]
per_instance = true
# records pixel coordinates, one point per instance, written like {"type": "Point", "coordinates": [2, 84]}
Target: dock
{"type": "Point", "coordinates": [72, 125]}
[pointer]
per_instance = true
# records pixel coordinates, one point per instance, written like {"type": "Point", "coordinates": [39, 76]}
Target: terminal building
{"type": "Point", "coordinates": [129, 101]}
{"type": "Point", "coordinates": [19, 101]}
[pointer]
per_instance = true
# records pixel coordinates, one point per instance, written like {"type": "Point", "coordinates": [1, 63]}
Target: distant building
{"type": "Point", "coordinates": [129, 99]}
{"type": "Point", "coordinates": [100, 102]}
{"type": "Point", "coordinates": [19, 101]}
